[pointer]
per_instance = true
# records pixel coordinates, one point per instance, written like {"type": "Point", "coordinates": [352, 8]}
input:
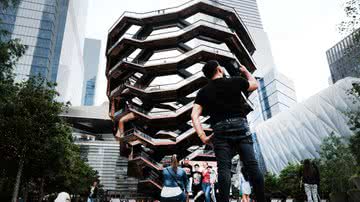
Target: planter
{"type": "Point", "coordinates": [354, 195]}
{"type": "Point", "coordinates": [355, 180]}
{"type": "Point", "coordinates": [338, 197]}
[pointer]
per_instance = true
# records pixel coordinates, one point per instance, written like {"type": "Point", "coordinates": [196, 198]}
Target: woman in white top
{"type": "Point", "coordinates": [175, 180]}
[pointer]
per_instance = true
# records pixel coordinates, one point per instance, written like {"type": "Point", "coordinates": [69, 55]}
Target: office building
{"type": "Point", "coordinates": [70, 73]}
{"type": "Point", "coordinates": [91, 64]}
{"type": "Point", "coordinates": [296, 134]}
{"type": "Point", "coordinates": [343, 58]}
{"type": "Point", "coordinates": [54, 33]}
{"type": "Point", "coordinates": [275, 94]}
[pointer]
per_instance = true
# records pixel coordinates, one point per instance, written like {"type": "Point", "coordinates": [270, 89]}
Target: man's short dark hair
{"type": "Point", "coordinates": [209, 68]}
{"type": "Point", "coordinates": [196, 165]}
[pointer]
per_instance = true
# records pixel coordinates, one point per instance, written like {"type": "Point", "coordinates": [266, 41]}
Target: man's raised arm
{"type": "Point", "coordinates": [195, 117]}
{"type": "Point", "coordinates": [253, 84]}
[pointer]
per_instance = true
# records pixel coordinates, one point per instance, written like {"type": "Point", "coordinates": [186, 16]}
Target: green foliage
{"type": "Point", "coordinates": [32, 131]}
{"type": "Point", "coordinates": [289, 181]}
{"type": "Point", "coordinates": [337, 164]}
{"type": "Point", "coordinates": [354, 122]}
{"type": "Point", "coordinates": [8, 3]}
{"type": "Point", "coordinates": [271, 182]}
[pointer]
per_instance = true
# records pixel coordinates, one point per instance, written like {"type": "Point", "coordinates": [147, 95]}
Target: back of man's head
{"type": "Point", "coordinates": [210, 68]}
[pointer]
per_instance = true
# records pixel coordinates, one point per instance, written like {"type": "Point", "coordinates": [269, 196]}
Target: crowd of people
{"type": "Point", "coordinates": [198, 181]}
{"type": "Point", "coordinates": [224, 100]}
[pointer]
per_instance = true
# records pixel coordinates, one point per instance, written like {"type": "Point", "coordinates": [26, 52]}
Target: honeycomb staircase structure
{"type": "Point", "coordinates": [153, 70]}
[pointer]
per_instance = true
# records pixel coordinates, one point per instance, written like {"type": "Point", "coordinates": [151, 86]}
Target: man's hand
{"type": "Point", "coordinates": [252, 81]}
{"type": "Point", "coordinates": [206, 139]}
{"type": "Point", "coordinates": [243, 69]}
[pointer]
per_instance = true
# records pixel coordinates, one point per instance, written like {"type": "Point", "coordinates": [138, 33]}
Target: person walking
{"type": "Point", "coordinates": [213, 180]}
{"type": "Point", "coordinates": [310, 178]}
{"type": "Point", "coordinates": [93, 192]}
{"type": "Point", "coordinates": [174, 182]}
{"type": "Point", "coordinates": [197, 181]}
{"type": "Point", "coordinates": [223, 99]}
{"type": "Point", "coordinates": [206, 185]}
{"type": "Point", "coordinates": [188, 170]}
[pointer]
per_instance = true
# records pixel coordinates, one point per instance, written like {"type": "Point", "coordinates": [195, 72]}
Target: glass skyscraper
{"type": "Point", "coordinates": [91, 63]}
{"type": "Point", "coordinates": [344, 57]}
{"type": "Point", "coordinates": [90, 92]}
{"type": "Point", "coordinates": [39, 25]}
{"type": "Point", "coordinates": [54, 32]}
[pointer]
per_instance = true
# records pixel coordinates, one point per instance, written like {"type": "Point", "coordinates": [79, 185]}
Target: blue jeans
{"type": "Point", "coordinates": [226, 145]}
{"type": "Point", "coordinates": [206, 187]}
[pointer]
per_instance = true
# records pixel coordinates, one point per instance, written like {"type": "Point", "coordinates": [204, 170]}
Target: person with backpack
{"type": "Point", "coordinates": [174, 182]}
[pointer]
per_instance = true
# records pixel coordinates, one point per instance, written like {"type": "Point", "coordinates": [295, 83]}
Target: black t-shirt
{"type": "Point", "coordinates": [221, 98]}
{"type": "Point", "coordinates": [188, 169]}
{"type": "Point", "coordinates": [197, 178]}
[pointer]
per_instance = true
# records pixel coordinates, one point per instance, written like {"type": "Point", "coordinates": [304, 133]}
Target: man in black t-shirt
{"type": "Point", "coordinates": [223, 99]}
{"type": "Point", "coordinates": [197, 179]}
{"type": "Point", "coordinates": [188, 170]}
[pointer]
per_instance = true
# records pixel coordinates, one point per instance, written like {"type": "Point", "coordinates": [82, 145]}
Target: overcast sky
{"type": "Point", "coordinates": [300, 32]}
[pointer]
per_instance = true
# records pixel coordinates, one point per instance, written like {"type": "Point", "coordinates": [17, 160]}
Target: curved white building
{"type": "Point", "coordinates": [296, 134]}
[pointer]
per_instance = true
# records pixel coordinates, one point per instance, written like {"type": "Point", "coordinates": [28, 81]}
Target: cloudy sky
{"type": "Point", "coordinates": [300, 32]}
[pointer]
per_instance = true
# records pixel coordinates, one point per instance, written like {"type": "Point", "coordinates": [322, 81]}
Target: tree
{"type": "Point", "coordinates": [271, 182]}
{"type": "Point", "coordinates": [336, 164]}
{"type": "Point", "coordinates": [10, 49]}
{"type": "Point", "coordinates": [352, 17]}
{"type": "Point", "coordinates": [289, 181]}
{"type": "Point", "coordinates": [36, 145]}
{"type": "Point", "coordinates": [354, 122]}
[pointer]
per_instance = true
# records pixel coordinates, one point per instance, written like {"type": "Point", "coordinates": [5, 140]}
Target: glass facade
{"type": "Point", "coordinates": [248, 11]}
{"type": "Point", "coordinates": [54, 32]}
{"type": "Point", "coordinates": [343, 58]}
{"type": "Point", "coordinates": [104, 157]}
{"type": "Point", "coordinates": [90, 92]}
{"type": "Point", "coordinates": [91, 64]}
{"type": "Point", "coordinates": [275, 93]}
{"type": "Point", "coordinates": [39, 25]}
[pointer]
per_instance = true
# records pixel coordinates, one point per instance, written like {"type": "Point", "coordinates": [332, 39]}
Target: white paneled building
{"type": "Point", "coordinates": [296, 134]}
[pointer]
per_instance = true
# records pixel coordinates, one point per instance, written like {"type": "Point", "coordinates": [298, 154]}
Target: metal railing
{"type": "Point", "coordinates": [177, 58]}
{"type": "Point", "coordinates": [172, 10]}
{"type": "Point", "coordinates": [178, 138]}
{"type": "Point", "coordinates": [170, 34]}
{"type": "Point", "coordinates": [164, 112]}
{"type": "Point", "coordinates": [173, 86]}
{"type": "Point", "coordinates": [148, 158]}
